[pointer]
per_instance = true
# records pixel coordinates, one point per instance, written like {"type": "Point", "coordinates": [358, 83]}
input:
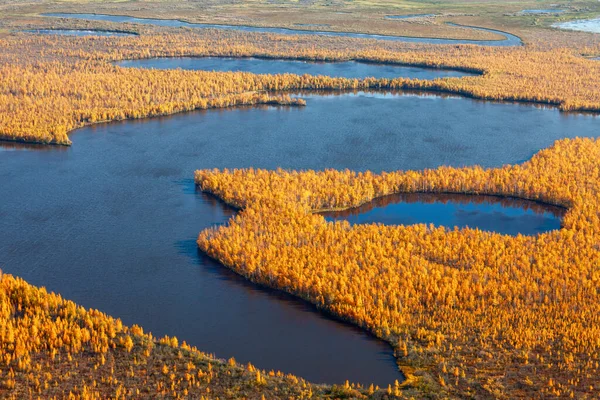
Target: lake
{"type": "Point", "coordinates": [111, 222]}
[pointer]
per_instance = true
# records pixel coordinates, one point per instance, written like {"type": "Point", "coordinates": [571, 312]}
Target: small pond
{"type": "Point", "coordinates": [488, 213]}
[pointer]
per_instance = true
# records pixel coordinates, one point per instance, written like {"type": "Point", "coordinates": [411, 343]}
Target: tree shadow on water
{"type": "Point", "coordinates": [296, 305]}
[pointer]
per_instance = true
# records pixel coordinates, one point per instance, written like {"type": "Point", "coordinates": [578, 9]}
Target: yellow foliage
{"type": "Point", "coordinates": [52, 348]}
{"type": "Point", "coordinates": [468, 303]}
{"type": "Point", "coordinates": [52, 85]}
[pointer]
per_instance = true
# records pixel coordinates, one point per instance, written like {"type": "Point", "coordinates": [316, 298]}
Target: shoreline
{"type": "Point", "coordinates": [265, 57]}
{"type": "Point", "coordinates": [373, 36]}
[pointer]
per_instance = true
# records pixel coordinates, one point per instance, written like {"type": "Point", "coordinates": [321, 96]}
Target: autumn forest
{"type": "Point", "coordinates": [462, 312]}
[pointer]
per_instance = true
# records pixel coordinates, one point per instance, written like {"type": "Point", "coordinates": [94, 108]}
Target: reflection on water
{"type": "Point", "coordinates": [489, 213]}
{"type": "Point", "coordinates": [347, 69]}
{"type": "Point", "coordinates": [16, 146]}
{"type": "Point", "coordinates": [510, 40]}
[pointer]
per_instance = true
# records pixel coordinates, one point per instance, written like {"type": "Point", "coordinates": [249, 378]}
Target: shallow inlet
{"type": "Point", "coordinates": [508, 216]}
{"type": "Point", "coordinates": [111, 222]}
{"type": "Point", "coordinates": [78, 32]}
{"type": "Point", "coordinates": [346, 69]}
{"type": "Point", "coordinates": [584, 25]}
{"type": "Point", "coordinates": [510, 40]}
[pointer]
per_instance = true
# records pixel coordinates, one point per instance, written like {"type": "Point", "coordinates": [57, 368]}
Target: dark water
{"type": "Point", "coordinates": [546, 11]}
{"type": "Point", "coordinates": [510, 40]}
{"type": "Point", "coordinates": [78, 32]}
{"type": "Point", "coordinates": [410, 16]}
{"type": "Point", "coordinates": [503, 215]}
{"type": "Point", "coordinates": [348, 69]}
{"type": "Point", "coordinates": [111, 222]}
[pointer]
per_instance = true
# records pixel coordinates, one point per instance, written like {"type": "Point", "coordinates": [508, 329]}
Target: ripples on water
{"type": "Point", "coordinates": [111, 222]}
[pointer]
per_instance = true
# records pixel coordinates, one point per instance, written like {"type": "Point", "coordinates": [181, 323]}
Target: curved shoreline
{"type": "Point", "coordinates": [509, 38]}
{"type": "Point", "coordinates": [382, 89]}
{"type": "Point", "coordinates": [406, 369]}
{"type": "Point", "coordinates": [238, 207]}
{"type": "Point", "coordinates": [273, 290]}
{"type": "Point", "coordinates": [474, 194]}
{"type": "Point", "coordinates": [473, 71]}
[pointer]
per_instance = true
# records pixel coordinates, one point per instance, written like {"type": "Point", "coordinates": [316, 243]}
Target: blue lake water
{"type": "Point", "coordinates": [111, 222]}
{"type": "Point", "coordinates": [502, 215]}
{"type": "Point", "coordinates": [348, 69]}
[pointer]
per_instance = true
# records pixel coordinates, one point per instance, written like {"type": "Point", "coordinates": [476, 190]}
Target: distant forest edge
{"type": "Point", "coordinates": [70, 83]}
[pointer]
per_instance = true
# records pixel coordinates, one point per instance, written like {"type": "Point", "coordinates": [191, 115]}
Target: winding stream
{"type": "Point", "coordinates": [510, 40]}
{"type": "Point", "coordinates": [111, 222]}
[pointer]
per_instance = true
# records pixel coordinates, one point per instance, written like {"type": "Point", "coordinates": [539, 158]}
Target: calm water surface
{"type": "Point", "coordinates": [348, 69]}
{"type": "Point", "coordinates": [78, 32]}
{"type": "Point", "coordinates": [503, 215]}
{"type": "Point", "coordinates": [111, 222]}
{"type": "Point", "coordinates": [510, 40]}
{"type": "Point", "coordinates": [585, 25]}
